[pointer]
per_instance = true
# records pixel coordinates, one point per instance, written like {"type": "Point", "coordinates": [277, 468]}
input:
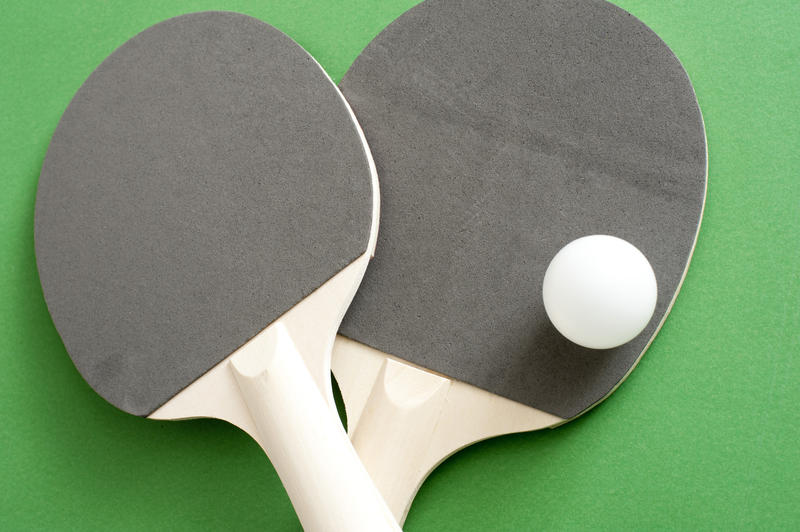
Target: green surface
{"type": "Point", "coordinates": [704, 435]}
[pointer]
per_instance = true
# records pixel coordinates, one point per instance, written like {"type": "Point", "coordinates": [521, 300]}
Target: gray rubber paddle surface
{"type": "Point", "coordinates": [502, 131]}
{"type": "Point", "coordinates": [205, 179]}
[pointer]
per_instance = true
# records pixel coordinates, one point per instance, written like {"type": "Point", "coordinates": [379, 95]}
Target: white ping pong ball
{"type": "Point", "coordinates": [599, 291]}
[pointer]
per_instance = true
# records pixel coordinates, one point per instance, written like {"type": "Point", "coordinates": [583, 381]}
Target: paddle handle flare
{"type": "Point", "coordinates": [326, 482]}
{"type": "Point", "coordinates": [405, 420]}
{"type": "Point", "coordinates": [394, 432]}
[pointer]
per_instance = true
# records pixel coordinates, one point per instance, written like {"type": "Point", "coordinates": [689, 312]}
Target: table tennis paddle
{"type": "Point", "coordinates": [205, 212]}
{"type": "Point", "coordinates": [502, 131]}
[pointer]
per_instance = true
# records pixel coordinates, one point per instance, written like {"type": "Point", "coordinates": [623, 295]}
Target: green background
{"type": "Point", "coordinates": [703, 435]}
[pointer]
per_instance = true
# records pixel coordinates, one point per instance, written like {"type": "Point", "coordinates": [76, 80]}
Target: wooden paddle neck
{"type": "Point", "coordinates": [404, 420]}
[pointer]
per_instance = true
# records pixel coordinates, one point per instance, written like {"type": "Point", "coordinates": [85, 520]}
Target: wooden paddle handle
{"type": "Point", "coordinates": [404, 420]}
{"type": "Point", "coordinates": [396, 435]}
{"type": "Point", "coordinates": [326, 482]}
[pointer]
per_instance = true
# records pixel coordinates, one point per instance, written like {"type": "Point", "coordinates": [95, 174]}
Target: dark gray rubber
{"type": "Point", "coordinates": [204, 179]}
{"type": "Point", "coordinates": [502, 131]}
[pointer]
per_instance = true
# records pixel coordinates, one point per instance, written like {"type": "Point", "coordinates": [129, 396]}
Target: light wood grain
{"type": "Point", "coordinates": [405, 420]}
{"type": "Point", "coordinates": [276, 388]}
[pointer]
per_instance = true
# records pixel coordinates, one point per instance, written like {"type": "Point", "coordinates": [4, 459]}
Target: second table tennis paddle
{"type": "Point", "coordinates": [502, 131]}
{"type": "Point", "coordinates": [204, 215]}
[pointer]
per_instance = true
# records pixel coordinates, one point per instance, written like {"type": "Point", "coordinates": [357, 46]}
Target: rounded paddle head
{"type": "Point", "coordinates": [501, 132]}
{"type": "Point", "coordinates": [206, 178]}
